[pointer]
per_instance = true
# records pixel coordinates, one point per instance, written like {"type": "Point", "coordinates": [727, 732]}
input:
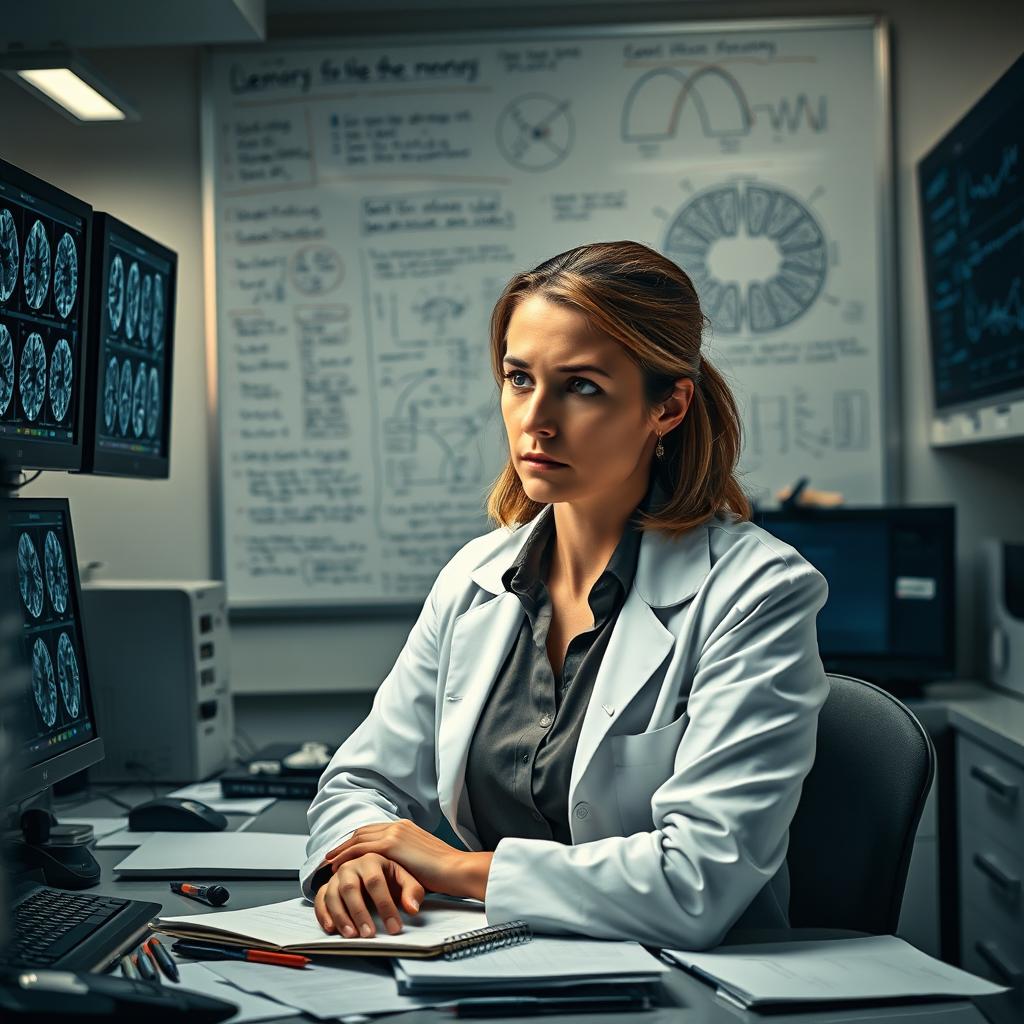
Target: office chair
{"type": "Point", "coordinates": [853, 833]}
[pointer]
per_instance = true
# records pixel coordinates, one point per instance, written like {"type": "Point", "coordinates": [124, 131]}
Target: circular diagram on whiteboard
{"type": "Point", "coordinates": [6, 368]}
{"type": "Point", "coordinates": [67, 675]}
{"type": "Point", "coordinates": [61, 372]}
{"type": "Point", "coordinates": [139, 402]}
{"type": "Point", "coordinates": [535, 132]}
{"type": "Point", "coordinates": [30, 576]}
{"type": "Point", "coordinates": [32, 379]}
{"type": "Point", "coordinates": [65, 275]}
{"type": "Point", "coordinates": [10, 255]}
{"type": "Point", "coordinates": [44, 689]}
{"type": "Point", "coordinates": [110, 395]}
{"type": "Point", "coordinates": [153, 403]}
{"type": "Point", "coordinates": [56, 573]}
{"type": "Point", "coordinates": [124, 396]}
{"type": "Point", "coordinates": [755, 253]}
{"type": "Point", "coordinates": [158, 312]}
{"type": "Point", "coordinates": [115, 293]}
{"type": "Point", "coordinates": [36, 269]}
{"type": "Point", "coordinates": [132, 300]}
{"type": "Point", "coordinates": [316, 269]}
{"type": "Point", "coordinates": [146, 309]}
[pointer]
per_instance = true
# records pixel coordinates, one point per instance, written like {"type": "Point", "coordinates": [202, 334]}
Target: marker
{"type": "Point", "coordinates": [202, 951]}
{"type": "Point", "coordinates": [212, 895]}
{"type": "Point", "coordinates": [163, 959]}
{"type": "Point", "coordinates": [144, 965]}
{"type": "Point", "coordinates": [129, 970]}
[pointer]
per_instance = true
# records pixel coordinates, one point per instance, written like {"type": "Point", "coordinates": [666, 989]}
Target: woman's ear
{"type": "Point", "coordinates": [674, 409]}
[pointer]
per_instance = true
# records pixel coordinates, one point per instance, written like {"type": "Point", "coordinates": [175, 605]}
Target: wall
{"type": "Point", "coordinates": [945, 55]}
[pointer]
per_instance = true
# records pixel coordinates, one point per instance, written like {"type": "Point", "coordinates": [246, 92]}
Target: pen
{"type": "Point", "coordinates": [529, 1006]}
{"type": "Point", "coordinates": [213, 895]}
{"type": "Point", "coordinates": [144, 965]}
{"type": "Point", "coordinates": [163, 959]}
{"type": "Point", "coordinates": [202, 951]}
{"type": "Point", "coordinates": [129, 970]}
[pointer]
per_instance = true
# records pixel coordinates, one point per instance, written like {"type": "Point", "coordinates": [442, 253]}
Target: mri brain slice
{"type": "Point", "coordinates": [139, 402]}
{"type": "Point", "coordinates": [146, 309]}
{"type": "Point", "coordinates": [153, 404]}
{"type": "Point", "coordinates": [32, 379]}
{"type": "Point", "coordinates": [6, 368]}
{"type": "Point", "coordinates": [158, 311]}
{"type": "Point", "coordinates": [115, 293]}
{"type": "Point", "coordinates": [124, 396]}
{"type": "Point", "coordinates": [44, 688]}
{"type": "Point", "coordinates": [10, 255]}
{"type": "Point", "coordinates": [56, 572]}
{"type": "Point", "coordinates": [30, 576]}
{"type": "Point", "coordinates": [61, 373]}
{"type": "Point", "coordinates": [67, 675]}
{"type": "Point", "coordinates": [36, 269]}
{"type": "Point", "coordinates": [110, 394]}
{"type": "Point", "coordinates": [132, 299]}
{"type": "Point", "coordinates": [65, 275]}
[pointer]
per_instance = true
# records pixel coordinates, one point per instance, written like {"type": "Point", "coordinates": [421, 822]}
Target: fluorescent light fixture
{"type": "Point", "coordinates": [64, 82]}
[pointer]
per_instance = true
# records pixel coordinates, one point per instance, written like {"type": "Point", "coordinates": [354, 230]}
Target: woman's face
{"type": "Point", "coordinates": [592, 420]}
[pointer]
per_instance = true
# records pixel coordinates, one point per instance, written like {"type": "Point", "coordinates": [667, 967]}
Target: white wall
{"type": "Point", "coordinates": [945, 55]}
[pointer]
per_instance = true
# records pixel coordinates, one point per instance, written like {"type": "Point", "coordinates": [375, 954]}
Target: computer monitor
{"type": "Point", "coordinates": [44, 259]}
{"type": "Point", "coordinates": [55, 721]}
{"type": "Point", "coordinates": [131, 346]}
{"type": "Point", "coordinates": [889, 616]}
{"type": "Point", "coordinates": [971, 191]}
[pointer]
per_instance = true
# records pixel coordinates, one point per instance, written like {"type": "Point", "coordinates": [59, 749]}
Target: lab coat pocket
{"type": "Point", "coordinates": [643, 761]}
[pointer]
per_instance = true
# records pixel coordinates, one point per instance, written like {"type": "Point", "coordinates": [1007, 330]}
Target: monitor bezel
{"type": "Point", "coordinates": [49, 455]}
{"type": "Point", "coordinates": [29, 781]}
{"type": "Point", "coordinates": [95, 459]}
{"type": "Point", "coordinates": [891, 672]}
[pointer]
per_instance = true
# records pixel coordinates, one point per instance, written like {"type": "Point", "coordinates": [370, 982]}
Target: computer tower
{"type": "Point", "coordinates": [1004, 613]}
{"type": "Point", "coordinates": [158, 653]}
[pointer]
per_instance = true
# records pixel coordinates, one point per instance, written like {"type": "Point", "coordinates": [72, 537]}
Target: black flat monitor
{"type": "Point", "coordinates": [971, 191]}
{"type": "Point", "coordinates": [890, 613]}
{"type": "Point", "coordinates": [55, 720]}
{"type": "Point", "coordinates": [44, 259]}
{"type": "Point", "coordinates": [131, 345]}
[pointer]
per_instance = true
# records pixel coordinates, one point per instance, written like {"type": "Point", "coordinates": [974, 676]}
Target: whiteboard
{"type": "Point", "coordinates": [366, 201]}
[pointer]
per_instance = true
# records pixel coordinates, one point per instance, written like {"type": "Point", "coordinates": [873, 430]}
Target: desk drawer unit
{"type": "Point", "coordinates": [990, 793]}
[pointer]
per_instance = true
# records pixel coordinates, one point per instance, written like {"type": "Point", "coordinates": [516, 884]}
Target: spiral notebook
{"type": "Point", "coordinates": [442, 928]}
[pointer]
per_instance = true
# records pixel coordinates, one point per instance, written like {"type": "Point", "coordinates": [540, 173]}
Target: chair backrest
{"type": "Point", "coordinates": [853, 833]}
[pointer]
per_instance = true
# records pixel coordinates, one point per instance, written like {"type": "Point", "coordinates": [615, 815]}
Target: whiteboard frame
{"type": "Point", "coordinates": [888, 324]}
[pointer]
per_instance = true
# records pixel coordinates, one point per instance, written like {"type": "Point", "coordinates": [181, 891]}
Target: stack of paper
{"type": "Point", "coordinates": [211, 794]}
{"type": "Point", "coordinates": [872, 968]}
{"type": "Point", "coordinates": [216, 855]}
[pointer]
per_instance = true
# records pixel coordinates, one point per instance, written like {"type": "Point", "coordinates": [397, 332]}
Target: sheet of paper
{"type": "Point", "coordinates": [216, 855]}
{"type": "Point", "coordinates": [197, 978]}
{"type": "Point", "coordinates": [123, 839]}
{"type": "Point", "coordinates": [100, 826]}
{"type": "Point", "coordinates": [210, 793]}
{"type": "Point", "coordinates": [353, 986]}
{"type": "Point", "coordinates": [876, 966]}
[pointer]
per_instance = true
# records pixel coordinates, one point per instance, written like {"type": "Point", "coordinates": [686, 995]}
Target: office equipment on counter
{"type": "Point", "coordinates": [212, 895]}
{"type": "Point", "coordinates": [439, 929]}
{"type": "Point", "coordinates": [799, 974]}
{"type": "Point", "coordinates": [891, 572]}
{"type": "Point", "coordinates": [275, 770]}
{"type": "Point", "coordinates": [127, 423]}
{"type": "Point", "coordinates": [1003, 590]}
{"type": "Point", "coordinates": [171, 814]}
{"type": "Point", "coordinates": [215, 855]}
{"type": "Point", "coordinates": [211, 794]}
{"type": "Point", "coordinates": [175, 635]}
{"type": "Point", "coordinates": [207, 951]}
{"type": "Point", "coordinates": [971, 193]}
{"type": "Point", "coordinates": [45, 235]}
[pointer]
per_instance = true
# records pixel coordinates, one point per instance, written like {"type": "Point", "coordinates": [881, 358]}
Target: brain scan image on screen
{"type": "Point", "coordinates": [153, 404]}
{"type": "Point", "coordinates": [30, 576]}
{"type": "Point", "coordinates": [10, 255]}
{"type": "Point", "coordinates": [158, 312]}
{"type": "Point", "coordinates": [36, 269]}
{"type": "Point", "coordinates": [56, 573]}
{"type": "Point", "coordinates": [110, 395]}
{"type": "Point", "coordinates": [67, 675]}
{"type": "Point", "coordinates": [6, 368]}
{"type": "Point", "coordinates": [115, 293]}
{"type": "Point", "coordinates": [146, 309]}
{"type": "Point", "coordinates": [44, 688]}
{"type": "Point", "coordinates": [32, 379]}
{"type": "Point", "coordinates": [61, 372]}
{"type": "Point", "coordinates": [139, 402]}
{"type": "Point", "coordinates": [131, 316]}
{"type": "Point", "coordinates": [65, 275]}
{"type": "Point", "coordinates": [124, 396]}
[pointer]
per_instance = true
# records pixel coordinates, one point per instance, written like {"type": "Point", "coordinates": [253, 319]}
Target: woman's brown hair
{"type": "Point", "coordinates": [647, 304]}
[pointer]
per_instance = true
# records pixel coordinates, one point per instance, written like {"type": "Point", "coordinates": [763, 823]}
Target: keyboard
{"type": "Point", "coordinates": [73, 931]}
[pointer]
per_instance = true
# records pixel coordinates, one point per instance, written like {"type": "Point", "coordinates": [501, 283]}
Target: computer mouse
{"type": "Point", "coordinates": [170, 814]}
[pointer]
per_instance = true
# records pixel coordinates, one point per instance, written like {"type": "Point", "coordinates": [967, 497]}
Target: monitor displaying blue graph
{"type": "Point", "coordinates": [971, 189]}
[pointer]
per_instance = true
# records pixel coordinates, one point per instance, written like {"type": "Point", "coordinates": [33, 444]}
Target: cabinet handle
{"type": "Point", "coordinates": [1007, 790]}
{"type": "Point", "coordinates": [987, 866]}
{"type": "Point", "coordinates": [987, 951]}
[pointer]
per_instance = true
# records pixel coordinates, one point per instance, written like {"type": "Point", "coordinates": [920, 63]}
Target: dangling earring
{"type": "Point", "coordinates": [660, 450]}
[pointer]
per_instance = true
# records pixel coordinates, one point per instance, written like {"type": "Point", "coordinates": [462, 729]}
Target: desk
{"type": "Point", "coordinates": [678, 990]}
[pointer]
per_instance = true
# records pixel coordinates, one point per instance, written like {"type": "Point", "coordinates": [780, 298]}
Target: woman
{"type": "Point", "coordinates": [612, 698]}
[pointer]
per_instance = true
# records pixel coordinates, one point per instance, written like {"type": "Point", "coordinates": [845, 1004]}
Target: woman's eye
{"type": "Point", "coordinates": [573, 380]}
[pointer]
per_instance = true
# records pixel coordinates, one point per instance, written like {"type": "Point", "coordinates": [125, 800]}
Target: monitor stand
{"type": "Point", "coordinates": [58, 851]}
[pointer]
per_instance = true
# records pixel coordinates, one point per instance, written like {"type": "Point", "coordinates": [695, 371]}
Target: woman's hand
{"type": "Point", "coordinates": [341, 903]}
{"type": "Point", "coordinates": [430, 860]}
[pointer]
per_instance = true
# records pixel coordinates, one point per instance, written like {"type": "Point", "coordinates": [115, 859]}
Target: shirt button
{"type": "Point", "coordinates": [526, 758]}
{"type": "Point", "coordinates": [582, 810]}
{"type": "Point", "coordinates": [545, 721]}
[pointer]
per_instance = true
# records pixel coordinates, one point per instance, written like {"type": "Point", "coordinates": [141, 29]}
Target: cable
{"type": "Point", "coordinates": [10, 485]}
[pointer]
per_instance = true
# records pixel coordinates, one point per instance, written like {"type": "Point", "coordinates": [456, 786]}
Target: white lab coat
{"type": "Point", "coordinates": [700, 730]}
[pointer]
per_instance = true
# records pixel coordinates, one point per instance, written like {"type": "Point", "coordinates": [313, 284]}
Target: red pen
{"type": "Point", "coordinates": [202, 951]}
